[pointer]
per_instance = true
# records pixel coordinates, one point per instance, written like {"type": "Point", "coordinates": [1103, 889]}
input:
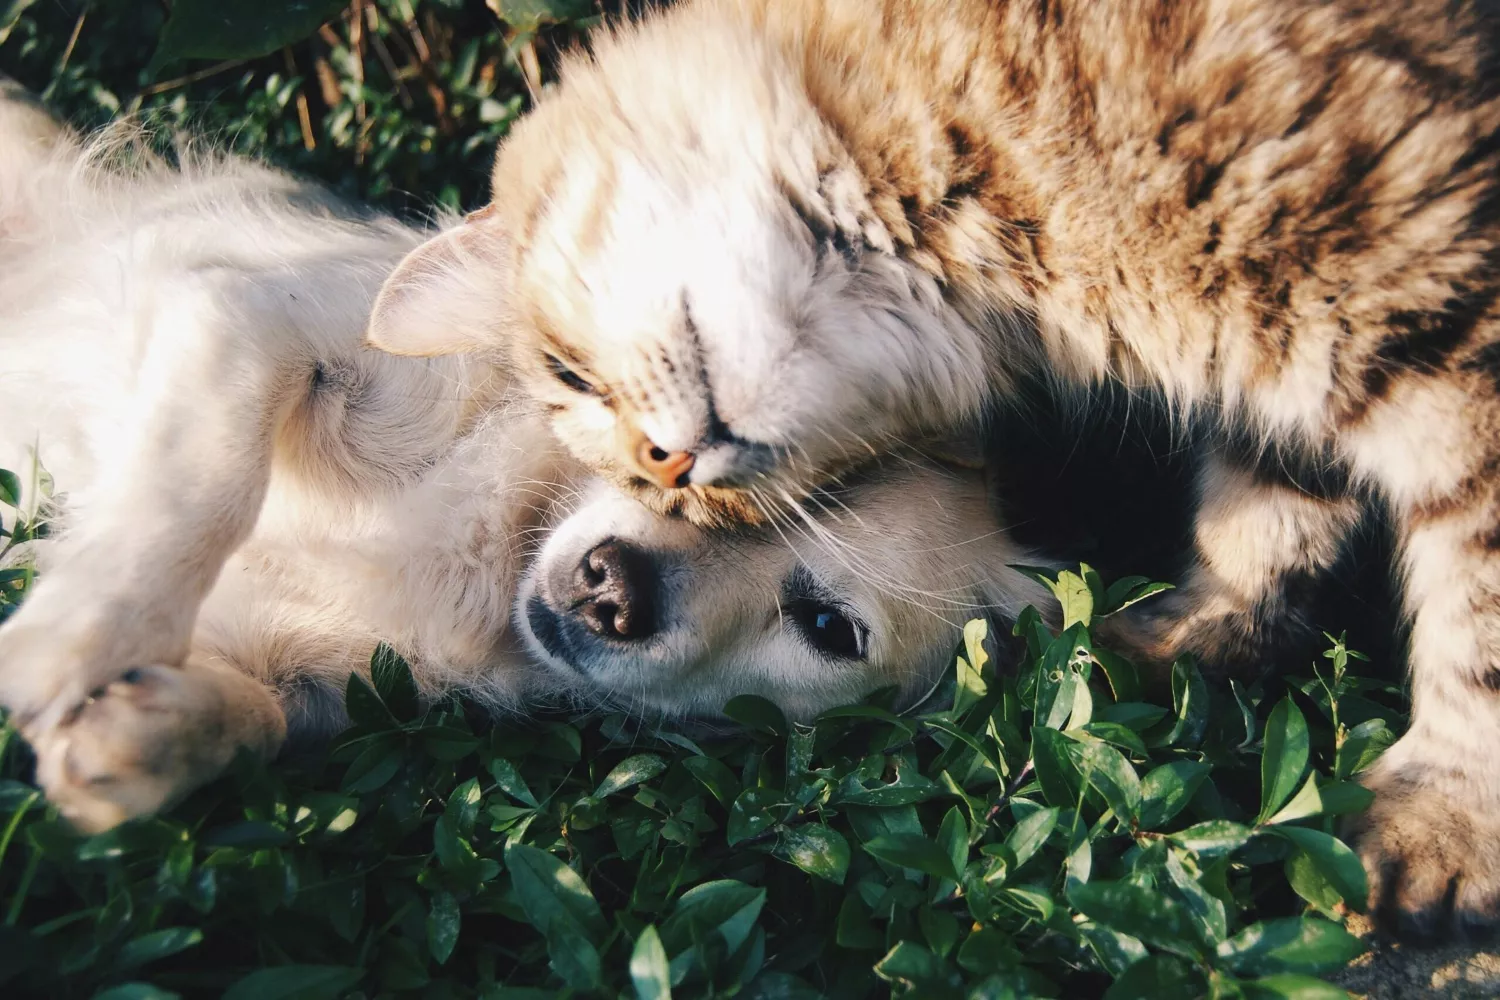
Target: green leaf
{"type": "Point", "coordinates": [1157, 977]}
{"type": "Point", "coordinates": [755, 712]}
{"type": "Point", "coordinates": [1284, 760]}
{"type": "Point", "coordinates": [157, 945]}
{"type": "Point", "coordinates": [1130, 590]}
{"type": "Point", "coordinates": [1309, 883]}
{"type": "Point", "coordinates": [364, 706]}
{"type": "Point", "coordinates": [443, 923]}
{"type": "Point", "coordinates": [1134, 714]}
{"type": "Point", "coordinates": [237, 29]}
{"type": "Point", "coordinates": [715, 776]}
{"type": "Point", "coordinates": [373, 769]}
{"type": "Point", "coordinates": [1362, 747]}
{"type": "Point", "coordinates": [558, 903]}
{"type": "Point", "coordinates": [1166, 791]}
{"type": "Point", "coordinates": [1291, 944]}
{"type": "Point", "coordinates": [295, 982]}
{"type": "Point", "coordinates": [1207, 909]}
{"type": "Point", "coordinates": [1116, 735]}
{"type": "Point", "coordinates": [971, 686]}
{"type": "Point", "coordinates": [630, 772]}
{"type": "Point", "coordinates": [953, 837]}
{"type": "Point", "coordinates": [1054, 766]}
{"type": "Point", "coordinates": [1213, 837]}
{"type": "Point", "coordinates": [912, 850]}
{"type": "Point", "coordinates": [131, 991]}
{"type": "Point", "coordinates": [1107, 770]}
{"type": "Point", "coordinates": [1290, 987]}
{"type": "Point", "coordinates": [1190, 701]}
{"type": "Point", "coordinates": [1115, 951]}
{"type": "Point", "coordinates": [10, 13]}
{"type": "Point", "coordinates": [1124, 679]}
{"type": "Point", "coordinates": [1333, 799]}
{"type": "Point", "coordinates": [753, 813]}
{"type": "Point", "coordinates": [1075, 598]}
{"type": "Point", "coordinates": [10, 483]}
{"type": "Point", "coordinates": [817, 850]}
{"type": "Point", "coordinates": [1030, 833]}
{"type": "Point", "coordinates": [394, 684]}
{"type": "Point", "coordinates": [528, 16]}
{"type": "Point", "coordinates": [649, 972]}
{"type": "Point", "coordinates": [727, 908]}
{"type": "Point", "coordinates": [1333, 860]}
{"type": "Point", "coordinates": [510, 781]}
{"type": "Point", "coordinates": [1144, 913]}
{"type": "Point", "coordinates": [911, 963]}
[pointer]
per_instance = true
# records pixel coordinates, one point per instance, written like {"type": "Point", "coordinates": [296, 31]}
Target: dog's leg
{"type": "Point", "coordinates": [95, 667]}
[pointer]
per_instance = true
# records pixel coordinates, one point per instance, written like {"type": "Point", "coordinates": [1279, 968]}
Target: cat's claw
{"type": "Point", "coordinates": [1431, 852]}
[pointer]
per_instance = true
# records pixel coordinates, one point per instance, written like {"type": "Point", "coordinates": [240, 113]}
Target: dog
{"type": "Point", "coordinates": [250, 501]}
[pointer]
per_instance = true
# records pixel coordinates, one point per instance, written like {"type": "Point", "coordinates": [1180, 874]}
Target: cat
{"type": "Point", "coordinates": [251, 502]}
{"type": "Point", "coordinates": [748, 244]}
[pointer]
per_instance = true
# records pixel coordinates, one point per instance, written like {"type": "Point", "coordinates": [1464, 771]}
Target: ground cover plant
{"type": "Point", "coordinates": [1041, 825]}
{"type": "Point", "coordinates": [1043, 830]}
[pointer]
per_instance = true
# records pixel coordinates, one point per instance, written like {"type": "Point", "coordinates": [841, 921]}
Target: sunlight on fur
{"type": "Point", "coordinates": [252, 501]}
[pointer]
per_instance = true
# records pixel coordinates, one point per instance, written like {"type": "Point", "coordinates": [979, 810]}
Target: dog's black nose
{"type": "Point", "coordinates": [613, 592]}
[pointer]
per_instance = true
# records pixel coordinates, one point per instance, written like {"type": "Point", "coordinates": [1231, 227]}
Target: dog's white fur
{"type": "Point", "coordinates": [252, 500]}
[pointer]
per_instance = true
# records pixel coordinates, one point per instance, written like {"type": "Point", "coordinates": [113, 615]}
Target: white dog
{"type": "Point", "coordinates": [252, 501]}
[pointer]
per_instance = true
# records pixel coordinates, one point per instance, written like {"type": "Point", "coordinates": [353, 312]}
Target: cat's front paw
{"type": "Point", "coordinates": [146, 738]}
{"type": "Point", "coordinates": [1430, 844]}
{"type": "Point", "coordinates": [1227, 638]}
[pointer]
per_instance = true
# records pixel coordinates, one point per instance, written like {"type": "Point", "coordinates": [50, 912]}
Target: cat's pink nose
{"type": "Point", "coordinates": [667, 469]}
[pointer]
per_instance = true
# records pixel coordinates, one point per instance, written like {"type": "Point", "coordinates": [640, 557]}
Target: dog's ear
{"type": "Point", "coordinates": [448, 296]}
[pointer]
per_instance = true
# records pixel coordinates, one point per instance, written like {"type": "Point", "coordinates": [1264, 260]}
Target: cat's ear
{"type": "Point", "coordinates": [448, 296]}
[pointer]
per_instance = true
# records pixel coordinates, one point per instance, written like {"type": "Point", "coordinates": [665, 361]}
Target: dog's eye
{"type": "Point", "coordinates": [828, 628]}
{"type": "Point", "coordinates": [568, 376]}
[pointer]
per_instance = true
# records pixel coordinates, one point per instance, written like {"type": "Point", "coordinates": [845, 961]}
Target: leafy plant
{"type": "Point", "coordinates": [1054, 833]}
{"type": "Point", "coordinates": [379, 98]}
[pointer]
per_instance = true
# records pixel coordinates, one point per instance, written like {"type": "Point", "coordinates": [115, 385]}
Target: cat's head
{"type": "Point", "coordinates": [867, 590]}
{"type": "Point", "coordinates": [682, 264]}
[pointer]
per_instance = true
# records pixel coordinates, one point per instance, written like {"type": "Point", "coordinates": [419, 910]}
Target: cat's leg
{"type": "Point", "coordinates": [1431, 841]}
{"type": "Point", "coordinates": [96, 656]}
{"type": "Point", "coordinates": [1258, 541]}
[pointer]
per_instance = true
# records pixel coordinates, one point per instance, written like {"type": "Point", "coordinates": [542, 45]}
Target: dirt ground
{"type": "Point", "coordinates": [1391, 972]}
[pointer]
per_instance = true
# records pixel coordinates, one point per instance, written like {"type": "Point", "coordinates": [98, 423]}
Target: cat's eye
{"type": "Point", "coordinates": [569, 377]}
{"type": "Point", "coordinates": [828, 628]}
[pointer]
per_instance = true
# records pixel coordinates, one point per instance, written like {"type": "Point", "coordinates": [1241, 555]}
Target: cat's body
{"type": "Point", "coordinates": [250, 501]}
{"type": "Point", "coordinates": [751, 242]}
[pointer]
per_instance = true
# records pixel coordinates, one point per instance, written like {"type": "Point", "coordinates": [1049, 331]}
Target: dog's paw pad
{"type": "Point", "coordinates": [133, 745]}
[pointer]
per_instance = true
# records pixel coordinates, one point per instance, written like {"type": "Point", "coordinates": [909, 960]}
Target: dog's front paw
{"type": "Point", "coordinates": [1430, 844]}
{"type": "Point", "coordinates": [148, 737]}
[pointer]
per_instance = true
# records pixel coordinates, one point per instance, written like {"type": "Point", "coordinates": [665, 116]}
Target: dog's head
{"type": "Point", "coordinates": [868, 587]}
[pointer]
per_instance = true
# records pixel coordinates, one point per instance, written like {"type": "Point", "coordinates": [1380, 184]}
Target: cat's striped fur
{"type": "Point", "coordinates": [778, 235]}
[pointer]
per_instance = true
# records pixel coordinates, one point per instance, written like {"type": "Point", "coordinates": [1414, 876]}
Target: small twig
{"type": "Point", "coordinates": [1015, 786]}
{"type": "Point", "coordinates": [62, 63]}
{"type": "Point", "coordinates": [383, 52]}
{"type": "Point", "coordinates": [304, 116]}
{"type": "Point", "coordinates": [417, 49]}
{"type": "Point", "coordinates": [531, 69]}
{"type": "Point", "coordinates": [357, 44]}
{"type": "Point", "coordinates": [328, 82]}
{"type": "Point", "coordinates": [194, 77]}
